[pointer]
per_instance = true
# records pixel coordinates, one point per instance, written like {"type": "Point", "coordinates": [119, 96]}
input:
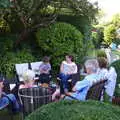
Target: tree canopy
{"type": "Point", "coordinates": [30, 15]}
{"type": "Point", "coordinates": [112, 30]}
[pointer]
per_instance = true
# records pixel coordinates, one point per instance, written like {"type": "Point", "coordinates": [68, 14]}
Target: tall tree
{"type": "Point", "coordinates": [33, 14]}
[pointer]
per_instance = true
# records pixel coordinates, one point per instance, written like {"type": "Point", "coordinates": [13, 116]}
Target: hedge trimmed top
{"type": "Point", "coordinates": [59, 39]}
{"type": "Point", "coordinates": [75, 110]}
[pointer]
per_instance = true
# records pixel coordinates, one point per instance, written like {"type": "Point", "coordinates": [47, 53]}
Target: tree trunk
{"type": "Point", "coordinates": [23, 36]}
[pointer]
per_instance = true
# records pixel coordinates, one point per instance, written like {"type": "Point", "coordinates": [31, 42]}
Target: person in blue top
{"type": "Point", "coordinates": [81, 87]}
{"type": "Point", "coordinates": [6, 99]}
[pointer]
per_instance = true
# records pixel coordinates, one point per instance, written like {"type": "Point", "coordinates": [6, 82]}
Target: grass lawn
{"type": "Point", "coordinates": [5, 115]}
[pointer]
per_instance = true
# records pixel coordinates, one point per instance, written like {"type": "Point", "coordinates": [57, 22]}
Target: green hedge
{"type": "Point", "coordinates": [80, 22]}
{"type": "Point", "coordinates": [8, 61]}
{"type": "Point", "coordinates": [101, 53]}
{"type": "Point", "coordinates": [75, 110]}
{"type": "Point", "coordinates": [7, 43]}
{"type": "Point", "coordinates": [59, 39]}
{"type": "Point", "coordinates": [116, 64]}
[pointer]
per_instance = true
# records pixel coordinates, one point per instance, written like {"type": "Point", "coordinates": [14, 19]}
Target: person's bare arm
{"type": "Point", "coordinates": [44, 71]}
{"type": "Point", "coordinates": [61, 67]}
{"type": "Point", "coordinates": [1, 87]}
{"type": "Point", "coordinates": [68, 93]}
{"type": "Point", "coordinates": [0, 92]}
{"type": "Point", "coordinates": [73, 89]}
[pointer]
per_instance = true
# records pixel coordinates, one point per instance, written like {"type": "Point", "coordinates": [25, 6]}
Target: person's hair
{"type": "Point", "coordinates": [71, 57]}
{"type": "Point", "coordinates": [28, 76]}
{"type": "Point", "coordinates": [46, 59]}
{"type": "Point", "coordinates": [92, 64]}
{"type": "Point", "coordinates": [102, 61]}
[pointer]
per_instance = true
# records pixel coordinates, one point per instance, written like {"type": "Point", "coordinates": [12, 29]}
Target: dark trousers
{"type": "Point", "coordinates": [44, 78]}
{"type": "Point", "coordinates": [64, 85]}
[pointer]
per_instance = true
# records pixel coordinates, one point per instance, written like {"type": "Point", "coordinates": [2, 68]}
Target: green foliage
{"type": "Point", "coordinates": [80, 22]}
{"type": "Point", "coordinates": [101, 53]}
{"type": "Point", "coordinates": [116, 65]}
{"type": "Point", "coordinates": [4, 27]}
{"type": "Point", "coordinates": [97, 36]}
{"type": "Point", "coordinates": [8, 61]}
{"type": "Point", "coordinates": [80, 8]}
{"type": "Point", "coordinates": [59, 39]}
{"type": "Point", "coordinates": [109, 34]}
{"type": "Point", "coordinates": [116, 20]}
{"type": "Point", "coordinates": [29, 15]}
{"type": "Point", "coordinates": [80, 14]}
{"type": "Point", "coordinates": [4, 3]}
{"type": "Point", "coordinates": [75, 110]}
{"type": "Point", "coordinates": [7, 43]}
{"type": "Point", "coordinates": [117, 41]}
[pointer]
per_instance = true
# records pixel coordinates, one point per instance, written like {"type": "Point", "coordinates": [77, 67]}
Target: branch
{"type": "Point", "coordinates": [45, 24]}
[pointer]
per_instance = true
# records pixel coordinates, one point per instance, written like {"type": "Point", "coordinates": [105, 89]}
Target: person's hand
{"type": "Point", "coordinates": [74, 89]}
{"type": "Point", "coordinates": [68, 93]}
{"type": "Point", "coordinates": [68, 73]}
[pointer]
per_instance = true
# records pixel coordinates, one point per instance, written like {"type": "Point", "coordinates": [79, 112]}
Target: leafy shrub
{"type": "Point", "coordinates": [59, 39]}
{"type": "Point", "coordinates": [8, 61]}
{"type": "Point", "coordinates": [117, 41]}
{"type": "Point", "coordinates": [4, 27]}
{"type": "Point", "coordinates": [97, 37]}
{"type": "Point", "coordinates": [80, 22]}
{"type": "Point", "coordinates": [101, 53]}
{"type": "Point", "coordinates": [116, 65]}
{"type": "Point", "coordinates": [7, 43]}
{"type": "Point", "coordinates": [109, 34]}
{"type": "Point", "coordinates": [75, 110]}
{"type": "Point", "coordinates": [95, 53]}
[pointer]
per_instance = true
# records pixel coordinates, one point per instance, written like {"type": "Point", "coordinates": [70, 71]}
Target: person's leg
{"type": "Point", "coordinates": [3, 102]}
{"type": "Point", "coordinates": [15, 104]}
{"type": "Point", "coordinates": [64, 79]}
{"type": "Point", "coordinates": [68, 98]}
{"type": "Point", "coordinates": [61, 88]}
{"type": "Point", "coordinates": [45, 78]}
{"type": "Point", "coordinates": [56, 93]}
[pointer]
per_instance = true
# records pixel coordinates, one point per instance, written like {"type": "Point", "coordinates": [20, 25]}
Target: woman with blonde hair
{"type": "Point", "coordinates": [28, 78]}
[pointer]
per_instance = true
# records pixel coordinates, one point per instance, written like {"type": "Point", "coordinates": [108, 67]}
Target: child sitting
{"type": "Point", "coordinates": [45, 68]}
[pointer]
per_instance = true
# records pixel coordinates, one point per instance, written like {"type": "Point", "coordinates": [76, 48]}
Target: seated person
{"type": "Point", "coordinates": [110, 75]}
{"type": "Point", "coordinates": [28, 78]}
{"type": "Point", "coordinates": [6, 99]}
{"type": "Point", "coordinates": [56, 92]}
{"type": "Point", "coordinates": [67, 68]}
{"type": "Point", "coordinates": [102, 70]}
{"type": "Point", "coordinates": [111, 83]}
{"type": "Point", "coordinates": [45, 68]}
{"type": "Point", "coordinates": [81, 88]}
